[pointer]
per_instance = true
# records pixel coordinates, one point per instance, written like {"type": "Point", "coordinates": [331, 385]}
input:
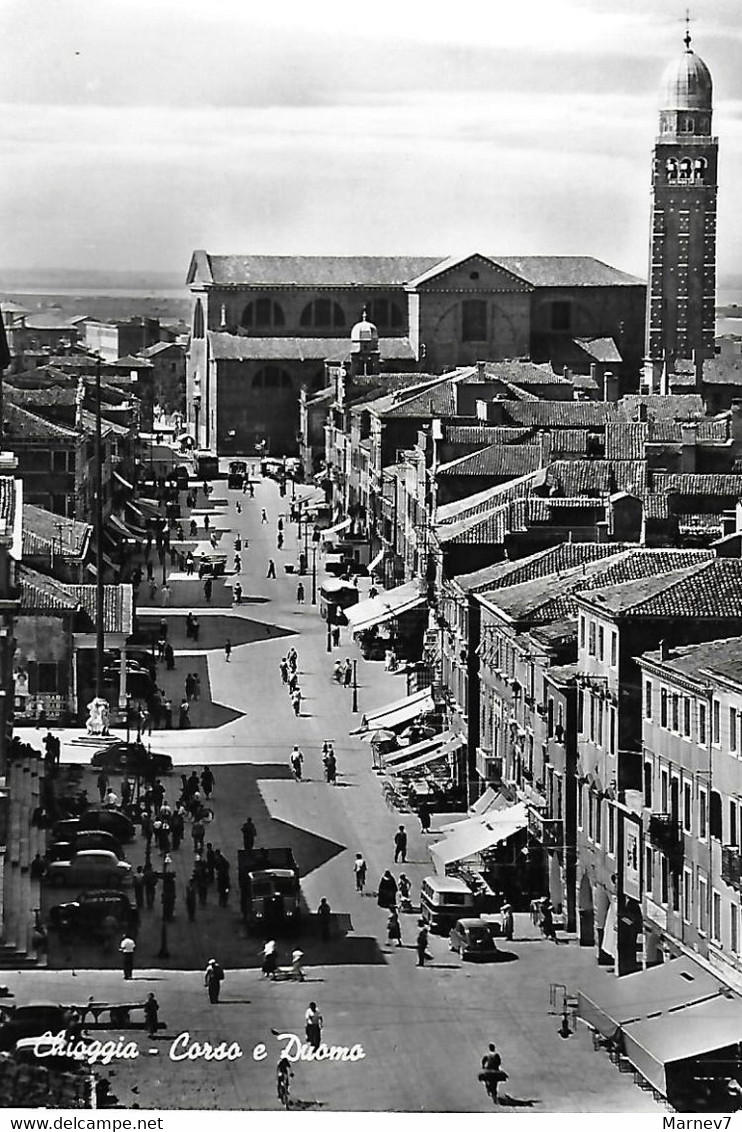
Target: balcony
{"type": "Point", "coordinates": [664, 834]}
{"type": "Point", "coordinates": [548, 831]}
{"type": "Point", "coordinates": [488, 766]}
{"type": "Point", "coordinates": [731, 866]}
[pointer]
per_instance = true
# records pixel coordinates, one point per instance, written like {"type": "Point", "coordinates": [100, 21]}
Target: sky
{"type": "Point", "coordinates": [133, 131]}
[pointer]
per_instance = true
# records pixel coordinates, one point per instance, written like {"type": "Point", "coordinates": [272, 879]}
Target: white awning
{"type": "Point", "coordinates": [490, 800]}
{"type": "Point", "coordinates": [440, 751]}
{"type": "Point", "coordinates": [341, 526]}
{"type": "Point", "coordinates": [114, 523]}
{"type": "Point", "coordinates": [414, 749]}
{"type": "Point", "coordinates": [377, 559]}
{"type": "Point", "coordinates": [122, 481]}
{"type": "Point", "coordinates": [398, 713]}
{"type": "Point", "coordinates": [470, 838]}
{"type": "Point", "coordinates": [391, 603]}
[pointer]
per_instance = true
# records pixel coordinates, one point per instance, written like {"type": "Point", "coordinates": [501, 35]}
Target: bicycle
{"type": "Point", "coordinates": [283, 1087]}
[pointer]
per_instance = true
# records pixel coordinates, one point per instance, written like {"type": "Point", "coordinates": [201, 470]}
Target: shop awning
{"type": "Point", "coordinates": [415, 749]}
{"type": "Point", "coordinates": [120, 479]}
{"type": "Point", "coordinates": [470, 838]}
{"type": "Point", "coordinates": [656, 1043]}
{"type": "Point", "coordinates": [377, 560]}
{"type": "Point", "coordinates": [137, 515]}
{"type": "Point", "coordinates": [115, 524]}
{"type": "Point", "coordinates": [490, 800]}
{"type": "Point", "coordinates": [440, 751]}
{"type": "Point", "coordinates": [610, 1003]}
{"type": "Point", "coordinates": [391, 603]}
{"type": "Point", "coordinates": [399, 712]}
{"type": "Point", "coordinates": [341, 526]}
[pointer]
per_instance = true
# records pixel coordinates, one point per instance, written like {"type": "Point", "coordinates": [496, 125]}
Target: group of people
{"type": "Point", "coordinates": [343, 672]}
{"type": "Point", "coordinates": [289, 669]}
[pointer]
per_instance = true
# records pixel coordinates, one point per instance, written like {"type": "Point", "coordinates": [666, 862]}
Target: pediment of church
{"type": "Point", "coordinates": [469, 273]}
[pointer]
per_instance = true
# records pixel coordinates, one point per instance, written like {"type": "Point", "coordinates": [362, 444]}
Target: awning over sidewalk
{"type": "Point", "coordinates": [377, 560]}
{"type": "Point", "coordinates": [470, 838]}
{"type": "Point", "coordinates": [341, 526]}
{"type": "Point", "coordinates": [610, 1004]}
{"type": "Point", "coordinates": [652, 1046]}
{"type": "Point", "coordinates": [391, 603]}
{"type": "Point", "coordinates": [399, 712]}
{"type": "Point", "coordinates": [441, 751]}
{"type": "Point", "coordinates": [136, 515]}
{"type": "Point", "coordinates": [391, 758]}
{"type": "Point", "coordinates": [116, 525]}
{"type": "Point", "coordinates": [120, 479]}
{"type": "Point", "coordinates": [490, 800]}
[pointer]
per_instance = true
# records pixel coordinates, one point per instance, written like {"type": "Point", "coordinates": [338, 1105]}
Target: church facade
{"type": "Point", "coordinates": [263, 327]}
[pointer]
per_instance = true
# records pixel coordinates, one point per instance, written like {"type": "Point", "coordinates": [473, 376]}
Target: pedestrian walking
{"type": "Point", "coordinates": [394, 928]}
{"type": "Point", "coordinates": [169, 657]}
{"type": "Point", "coordinates": [296, 758]}
{"type": "Point", "coordinates": [213, 978]}
{"type": "Point", "coordinates": [237, 564]}
{"type": "Point", "coordinates": [280, 523]}
{"type": "Point", "coordinates": [249, 833]}
{"type": "Point", "coordinates": [279, 542]}
{"type": "Point", "coordinates": [198, 833]}
{"type": "Point", "coordinates": [208, 587]}
{"type": "Point", "coordinates": [359, 871]}
{"type": "Point", "coordinates": [165, 595]}
{"type": "Point", "coordinates": [324, 917]}
{"type": "Point", "coordinates": [222, 880]}
{"type": "Point", "coordinates": [228, 650]}
{"type": "Point", "coordinates": [348, 676]}
{"type": "Point", "coordinates": [313, 1024]}
{"type": "Point", "coordinates": [300, 594]}
{"type": "Point", "coordinates": [293, 683]}
{"type": "Point", "coordinates": [150, 885]}
{"type": "Point", "coordinates": [387, 894]}
{"type": "Point", "coordinates": [184, 720]}
{"type": "Point", "coordinates": [270, 960]}
{"type": "Point", "coordinates": [284, 668]}
{"type": "Point", "coordinates": [506, 921]}
{"type": "Point", "coordinates": [188, 686]}
{"type": "Point", "coordinates": [292, 657]}
{"type": "Point", "coordinates": [102, 784]}
{"type": "Point", "coordinates": [127, 947]}
{"type": "Point", "coordinates": [177, 828]}
{"type": "Point", "coordinates": [547, 920]}
{"type": "Point", "coordinates": [422, 944]}
{"type": "Point", "coordinates": [424, 815]}
{"type": "Point", "coordinates": [263, 516]}
{"type": "Point", "coordinates": [138, 882]}
{"type": "Point", "coordinates": [237, 592]}
{"type": "Point", "coordinates": [331, 768]}
{"type": "Point", "coordinates": [336, 637]}
{"type": "Point", "coordinates": [207, 782]}
{"type": "Point", "coordinates": [151, 1014]}
{"type": "Point", "coordinates": [400, 845]}
{"type": "Point", "coordinates": [492, 1072]}
{"type": "Point", "coordinates": [271, 569]}
{"type": "Point", "coordinates": [238, 505]}
{"type": "Point", "coordinates": [405, 888]}
{"type": "Point", "coordinates": [196, 685]}
{"type": "Point", "coordinates": [296, 701]}
{"type": "Point", "coordinates": [201, 880]}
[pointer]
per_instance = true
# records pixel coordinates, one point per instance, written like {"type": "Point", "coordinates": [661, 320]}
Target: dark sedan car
{"type": "Point", "coordinates": [112, 821]}
{"type": "Point", "coordinates": [473, 940]}
{"type": "Point", "coordinates": [30, 1021]}
{"type": "Point", "coordinates": [65, 849]}
{"type": "Point", "coordinates": [132, 758]}
{"type": "Point", "coordinates": [89, 913]}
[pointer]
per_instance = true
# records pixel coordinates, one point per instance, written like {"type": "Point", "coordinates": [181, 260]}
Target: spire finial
{"type": "Point", "coordinates": [686, 38]}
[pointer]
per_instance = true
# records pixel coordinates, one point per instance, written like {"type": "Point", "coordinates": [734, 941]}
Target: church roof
{"type": "Point", "coordinates": [686, 83]}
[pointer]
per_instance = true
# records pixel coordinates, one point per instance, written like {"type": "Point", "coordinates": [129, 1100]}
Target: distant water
{"type": "Point", "coordinates": [102, 292]}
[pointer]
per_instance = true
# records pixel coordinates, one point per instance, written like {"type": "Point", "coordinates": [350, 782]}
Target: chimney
{"type": "Point", "coordinates": [566, 373]}
{"type": "Point", "coordinates": [688, 441]}
{"type": "Point", "coordinates": [481, 370]}
{"type": "Point", "coordinates": [544, 443]}
{"type": "Point", "coordinates": [610, 388]}
{"type": "Point", "coordinates": [490, 411]}
{"type": "Point", "coordinates": [664, 650]}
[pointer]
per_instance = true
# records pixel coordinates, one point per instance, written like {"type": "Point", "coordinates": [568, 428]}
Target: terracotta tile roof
{"type": "Point", "coordinates": [710, 590]}
{"type": "Point", "coordinates": [42, 593]}
{"type": "Point", "coordinates": [488, 529]}
{"type": "Point", "coordinates": [588, 477]}
{"type": "Point", "coordinates": [696, 484]}
{"type": "Point", "coordinates": [558, 414]}
{"type": "Point", "coordinates": [20, 424]}
{"type": "Point", "coordinates": [625, 440]}
{"type": "Point", "coordinates": [39, 592]}
{"type": "Point", "coordinates": [45, 533]}
{"type": "Point", "coordinates": [566, 271]}
{"type": "Point", "coordinates": [711, 658]}
{"type": "Point", "coordinates": [118, 606]}
{"type": "Point", "coordinates": [240, 347]}
{"type": "Point", "coordinates": [564, 556]}
{"type": "Point", "coordinates": [656, 507]}
{"type": "Point", "coordinates": [602, 350]}
{"type": "Point", "coordinates": [8, 503]}
{"type": "Point", "coordinates": [546, 510]}
{"type": "Point", "coordinates": [496, 460]}
{"type": "Point", "coordinates": [524, 373]}
{"type": "Point", "coordinates": [53, 395]}
{"type": "Point", "coordinates": [567, 441]}
{"type": "Point", "coordinates": [482, 434]}
{"type": "Point", "coordinates": [700, 523]}
{"type": "Point", "coordinates": [677, 407]}
{"type": "Point", "coordinates": [483, 501]}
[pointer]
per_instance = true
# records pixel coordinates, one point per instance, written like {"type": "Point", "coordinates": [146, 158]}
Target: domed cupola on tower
{"type": "Point", "coordinates": [365, 357]}
{"type": "Point", "coordinates": [682, 260]}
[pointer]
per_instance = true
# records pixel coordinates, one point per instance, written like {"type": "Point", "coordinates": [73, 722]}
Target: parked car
{"type": "Point", "coordinates": [30, 1021]}
{"type": "Point", "coordinates": [132, 758]}
{"type": "Point", "coordinates": [65, 850]}
{"type": "Point", "coordinates": [91, 866]}
{"type": "Point", "coordinates": [89, 912]}
{"type": "Point", "coordinates": [473, 940]}
{"type": "Point", "coordinates": [112, 821]}
{"type": "Point", "coordinates": [65, 829]}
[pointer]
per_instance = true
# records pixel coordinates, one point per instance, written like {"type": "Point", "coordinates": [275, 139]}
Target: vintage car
{"type": "Point", "coordinates": [65, 849]}
{"type": "Point", "coordinates": [89, 913]}
{"type": "Point", "coordinates": [90, 866]}
{"type": "Point", "coordinates": [30, 1021]}
{"type": "Point", "coordinates": [133, 759]}
{"type": "Point", "coordinates": [472, 939]}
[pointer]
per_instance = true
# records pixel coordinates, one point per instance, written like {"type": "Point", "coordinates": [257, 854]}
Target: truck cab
{"type": "Point", "coordinates": [269, 890]}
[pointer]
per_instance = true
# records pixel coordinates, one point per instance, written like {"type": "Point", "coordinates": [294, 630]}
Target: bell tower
{"type": "Point", "coordinates": [681, 292]}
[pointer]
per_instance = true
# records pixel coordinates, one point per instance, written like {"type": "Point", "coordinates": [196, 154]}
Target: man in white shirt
{"type": "Point", "coordinates": [127, 947]}
{"type": "Point", "coordinates": [313, 1025]}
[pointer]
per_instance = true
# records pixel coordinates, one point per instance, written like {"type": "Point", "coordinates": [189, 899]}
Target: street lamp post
{"type": "Point", "coordinates": [355, 686]}
{"type": "Point", "coordinates": [164, 953]}
{"type": "Point", "coordinates": [329, 627]}
{"type": "Point", "coordinates": [314, 575]}
{"type": "Point", "coordinates": [128, 718]}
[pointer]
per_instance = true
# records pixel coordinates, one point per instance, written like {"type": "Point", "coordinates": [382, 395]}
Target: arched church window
{"type": "Point", "coordinates": [263, 314]}
{"type": "Point", "coordinates": [700, 168]}
{"type": "Point", "coordinates": [684, 169]}
{"type": "Point", "coordinates": [198, 320]}
{"type": "Point", "coordinates": [671, 168]}
{"type": "Point", "coordinates": [323, 314]}
{"type": "Point", "coordinates": [271, 377]}
{"type": "Point", "coordinates": [686, 125]}
{"type": "Point", "coordinates": [385, 314]}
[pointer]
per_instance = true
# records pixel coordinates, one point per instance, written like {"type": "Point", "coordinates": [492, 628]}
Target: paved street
{"type": "Point", "coordinates": [423, 1031]}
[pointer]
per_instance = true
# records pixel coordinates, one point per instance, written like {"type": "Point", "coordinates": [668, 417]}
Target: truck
{"type": "Point", "coordinates": [269, 890]}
